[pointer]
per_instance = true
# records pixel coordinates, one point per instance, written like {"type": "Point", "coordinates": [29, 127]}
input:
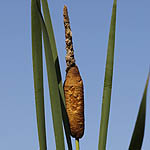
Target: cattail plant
{"type": "Point", "coordinates": [67, 103]}
{"type": "Point", "coordinates": [73, 85]}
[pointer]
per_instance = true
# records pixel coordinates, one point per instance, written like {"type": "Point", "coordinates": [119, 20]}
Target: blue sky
{"type": "Point", "coordinates": [90, 22]}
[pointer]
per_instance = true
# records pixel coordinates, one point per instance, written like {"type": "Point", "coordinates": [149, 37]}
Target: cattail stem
{"type": "Point", "coordinates": [77, 144]}
{"type": "Point", "coordinates": [70, 60]}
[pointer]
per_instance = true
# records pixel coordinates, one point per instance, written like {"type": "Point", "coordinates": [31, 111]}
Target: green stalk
{"type": "Point", "coordinates": [53, 88]}
{"type": "Point", "coordinates": [138, 133]}
{"type": "Point", "coordinates": [50, 31]}
{"type": "Point", "coordinates": [108, 82]}
{"type": "Point", "coordinates": [38, 73]}
{"type": "Point", "coordinates": [77, 144]}
{"type": "Point", "coordinates": [49, 27]}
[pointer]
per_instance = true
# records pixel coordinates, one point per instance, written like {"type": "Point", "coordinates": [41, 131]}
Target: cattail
{"type": "Point", "coordinates": [73, 86]}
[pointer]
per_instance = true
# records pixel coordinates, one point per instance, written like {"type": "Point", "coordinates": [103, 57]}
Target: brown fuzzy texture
{"type": "Point", "coordinates": [74, 95]}
{"type": "Point", "coordinates": [70, 60]}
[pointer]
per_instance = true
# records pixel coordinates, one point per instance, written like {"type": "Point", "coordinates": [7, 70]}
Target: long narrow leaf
{"type": "Point", "coordinates": [49, 28]}
{"type": "Point", "coordinates": [50, 31]}
{"type": "Point", "coordinates": [53, 89]}
{"type": "Point", "coordinates": [38, 73]}
{"type": "Point", "coordinates": [138, 133]}
{"type": "Point", "coordinates": [108, 82]}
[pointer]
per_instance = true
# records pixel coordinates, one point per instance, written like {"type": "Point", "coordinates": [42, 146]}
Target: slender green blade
{"type": "Point", "coordinates": [138, 133]}
{"type": "Point", "coordinates": [53, 89]}
{"type": "Point", "coordinates": [108, 82]}
{"type": "Point", "coordinates": [51, 36]}
{"type": "Point", "coordinates": [49, 28]}
{"type": "Point", "coordinates": [38, 73]}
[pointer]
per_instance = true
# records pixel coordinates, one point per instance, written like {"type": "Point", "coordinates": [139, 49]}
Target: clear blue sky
{"type": "Point", "coordinates": [90, 22]}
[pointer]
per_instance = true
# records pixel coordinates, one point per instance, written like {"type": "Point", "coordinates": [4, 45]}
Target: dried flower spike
{"type": "Point", "coordinates": [73, 86]}
{"type": "Point", "coordinates": [70, 61]}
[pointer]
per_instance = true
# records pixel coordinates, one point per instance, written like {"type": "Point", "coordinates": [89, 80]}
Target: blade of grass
{"type": "Point", "coordinates": [138, 133]}
{"type": "Point", "coordinates": [50, 31]}
{"type": "Point", "coordinates": [108, 82]}
{"type": "Point", "coordinates": [38, 73]}
{"type": "Point", "coordinates": [51, 36]}
{"type": "Point", "coordinates": [53, 89]}
{"type": "Point", "coordinates": [49, 27]}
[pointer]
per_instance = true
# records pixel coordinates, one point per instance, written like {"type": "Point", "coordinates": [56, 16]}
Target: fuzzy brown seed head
{"type": "Point", "coordinates": [74, 95]}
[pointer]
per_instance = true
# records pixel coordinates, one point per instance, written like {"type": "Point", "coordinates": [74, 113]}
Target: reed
{"type": "Point", "coordinates": [67, 102]}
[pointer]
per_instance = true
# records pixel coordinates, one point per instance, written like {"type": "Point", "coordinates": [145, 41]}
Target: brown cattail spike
{"type": "Point", "coordinates": [70, 61]}
{"type": "Point", "coordinates": [74, 95]}
{"type": "Point", "coordinates": [73, 86]}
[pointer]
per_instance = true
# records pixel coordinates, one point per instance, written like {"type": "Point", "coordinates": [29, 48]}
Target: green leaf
{"type": "Point", "coordinates": [38, 73]}
{"type": "Point", "coordinates": [50, 31]}
{"type": "Point", "coordinates": [49, 27]}
{"type": "Point", "coordinates": [108, 82]}
{"type": "Point", "coordinates": [53, 89]}
{"type": "Point", "coordinates": [138, 133]}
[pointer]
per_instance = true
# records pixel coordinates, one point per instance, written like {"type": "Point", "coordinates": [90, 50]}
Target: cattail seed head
{"type": "Point", "coordinates": [74, 95]}
{"type": "Point", "coordinates": [73, 86]}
